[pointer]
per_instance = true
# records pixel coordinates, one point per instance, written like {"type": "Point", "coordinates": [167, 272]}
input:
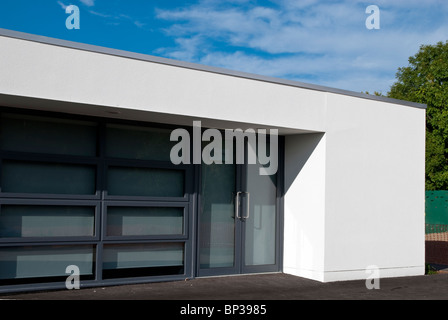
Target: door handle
{"type": "Point", "coordinates": [237, 205]}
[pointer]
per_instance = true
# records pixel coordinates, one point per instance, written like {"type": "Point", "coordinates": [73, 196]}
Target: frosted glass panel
{"type": "Point", "coordinates": [260, 239]}
{"type": "Point", "coordinates": [44, 261]}
{"type": "Point", "coordinates": [50, 178]}
{"type": "Point", "coordinates": [123, 181]}
{"type": "Point", "coordinates": [133, 142]}
{"type": "Point", "coordinates": [47, 135]}
{"type": "Point", "coordinates": [46, 221]}
{"type": "Point", "coordinates": [217, 223]}
{"type": "Point", "coordinates": [140, 260]}
{"type": "Point", "coordinates": [143, 255]}
{"type": "Point", "coordinates": [140, 221]}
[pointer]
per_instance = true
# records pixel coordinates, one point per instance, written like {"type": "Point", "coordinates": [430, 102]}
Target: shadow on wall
{"type": "Point", "coordinates": [304, 205]}
{"type": "Point", "coordinates": [299, 148]}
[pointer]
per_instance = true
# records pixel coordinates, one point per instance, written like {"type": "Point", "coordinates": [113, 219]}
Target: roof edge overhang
{"type": "Point", "coordinates": [198, 67]}
{"type": "Point", "coordinates": [113, 112]}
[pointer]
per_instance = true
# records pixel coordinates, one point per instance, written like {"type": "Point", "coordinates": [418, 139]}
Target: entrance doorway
{"type": "Point", "coordinates": [238, 220]}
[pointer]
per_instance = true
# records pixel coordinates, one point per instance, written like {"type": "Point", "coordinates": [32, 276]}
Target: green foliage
{"type": "Point", "coordinates": [429, 269]}
{"type": "Point", "coordinates": [376, 93]}
{"type": "Point", "coordinates": [425, 80]}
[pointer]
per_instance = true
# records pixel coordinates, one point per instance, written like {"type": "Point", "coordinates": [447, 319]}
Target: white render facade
{"type": "Point", "coordinates": [353, 165]}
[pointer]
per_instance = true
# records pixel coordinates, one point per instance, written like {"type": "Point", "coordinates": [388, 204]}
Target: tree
{"type": "Point", "coordinates": [425, 80]}
{"type": "Point", "coordinates": [376, 93]}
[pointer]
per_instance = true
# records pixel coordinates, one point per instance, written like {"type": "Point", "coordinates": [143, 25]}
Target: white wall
{"type": "Point", "coordinates": [355, 195]}
{"type": "Point", "coordinates": [375, 160]}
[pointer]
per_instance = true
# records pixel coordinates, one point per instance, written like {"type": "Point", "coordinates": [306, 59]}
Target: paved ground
{"type": "Point", "coordinates": [277, 286]}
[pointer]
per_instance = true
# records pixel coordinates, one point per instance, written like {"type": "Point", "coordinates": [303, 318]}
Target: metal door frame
{"type": "Point", "coordinates": [239, 267]}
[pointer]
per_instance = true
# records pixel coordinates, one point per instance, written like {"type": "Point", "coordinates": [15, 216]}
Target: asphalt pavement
{"type": "Point", "coordinates": [257, 287]}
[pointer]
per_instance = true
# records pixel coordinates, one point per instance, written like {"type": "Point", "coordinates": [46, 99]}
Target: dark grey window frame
{"type": "Point", "coordinates": [150, 165]}
{"type": "Point", "coordinates": [146, 204]}
{"type": "Point", "coordinates": [101, 200]}
{"type": "Point", "coordinates": [51, 285]}
{"type": "Point", "coordinates": [240, 172]}
{"type": "Point", "coordinates": [49, 159]}
{"type": "Point", "coordinates": [42, 202]}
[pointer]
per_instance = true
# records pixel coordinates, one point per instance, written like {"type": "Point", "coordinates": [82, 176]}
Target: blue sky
{"type": "Point", "coordinates": [315, 41]}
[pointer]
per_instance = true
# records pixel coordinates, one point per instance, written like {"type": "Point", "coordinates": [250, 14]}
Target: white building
{"type": "Point", "coordinates": [86, 178]}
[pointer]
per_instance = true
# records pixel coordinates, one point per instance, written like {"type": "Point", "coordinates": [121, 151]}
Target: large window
{"type": "Point", "coordinates": [145, 182]}
{"type": "Point", "coordinates": [133, 142]}
{"type": "Point", "coordinates": [46, 221]}
{"type": "Point", "coordinates": [47, 135]}
{"type": "Point", "coordinates": [133, 260]}
{"type": "Point", "coordinates": [35, 177]}
{"type": "Point", "coordinates": [122, 221]}
{"type": "Point", "coordinates": [94, 193]}
{"type": "Point", "coordinates": [38, 264]}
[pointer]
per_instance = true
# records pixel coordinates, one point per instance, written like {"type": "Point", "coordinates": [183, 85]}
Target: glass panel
{"type": "Point", "coordinates": [260, 228]}
{"type": "Point", "coordinates": [132, 142]}
{"type": "Point", "coordinates": [44, 261]}
{"type": "Point", "coordinates": [217, 222]}
{"type": "Point", "coordinates": [46, 221]}
{"type": "Point", "coordinates": [52, 178]}
{"type": "Point", "coordinates": [147, 182]}
{"type": "Point", "coordinates": [133, 260]}
{"type": "Point", "coordinates": [140, 221]}
{"type": "Point", "coordinates": [47, 135]}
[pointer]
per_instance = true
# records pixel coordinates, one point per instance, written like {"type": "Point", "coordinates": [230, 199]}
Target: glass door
{"type": "Point", "coordinates": [219, 230]}
{"type": "Point", "coordinates": [238, 220]}
{"type": "Point", "coordinates": [259, 219]}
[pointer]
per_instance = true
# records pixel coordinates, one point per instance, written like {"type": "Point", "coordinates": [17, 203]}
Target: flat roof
{"type": "Point", "coordinates": [195, 66]}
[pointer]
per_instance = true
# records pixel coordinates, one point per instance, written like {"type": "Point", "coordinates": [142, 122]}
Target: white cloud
{"type": "Point", "coordinates": [322, 41]}
{"type": "Point", "coordinates": [63, 5]}
{"type": "Point", "coordinates": [100, 14]}
{"type": "Point", "coordinates": [139, 24]}
{"type": "Point", "coordinates": [114, 18]}
{"type": "Point", "coordinates": [89, 3]}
